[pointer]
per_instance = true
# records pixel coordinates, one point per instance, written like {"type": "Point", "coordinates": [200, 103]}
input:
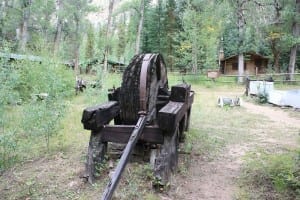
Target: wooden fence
{"type": "Point", "coordinates": [220, 78]}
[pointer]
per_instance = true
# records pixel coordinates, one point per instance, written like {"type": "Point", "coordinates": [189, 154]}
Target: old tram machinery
{"type": "Point", "coordinates": [144, 112]}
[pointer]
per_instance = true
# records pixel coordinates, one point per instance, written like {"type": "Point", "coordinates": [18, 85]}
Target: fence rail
{"type": "Point", "coordinates": [221, 78]}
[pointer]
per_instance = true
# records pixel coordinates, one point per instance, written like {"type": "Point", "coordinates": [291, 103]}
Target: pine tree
{"type": "Point", "coordinates": [89, 50]}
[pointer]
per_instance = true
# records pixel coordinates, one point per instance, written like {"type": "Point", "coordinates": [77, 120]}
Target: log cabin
{"type": "Point", "coordinates": [253, 64]}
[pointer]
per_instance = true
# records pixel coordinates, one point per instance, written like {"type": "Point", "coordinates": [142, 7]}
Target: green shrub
{"type": "Point", "coordinates": [8, 146]}
{"type": "Point", "coordinates": [27, 123]}
{"type": "Point", "coordinates": [8, 96]}
{"type": "Point", "coordinates": [46, 77]}
{"type": "Point", "coordinates": [41, 119]}
{"type": "Point", "coordinates": [9, 79]}
{"type": "Point", "coordinates": [280, 172]}
{"type": "Point", "coordinates": [262, 98]}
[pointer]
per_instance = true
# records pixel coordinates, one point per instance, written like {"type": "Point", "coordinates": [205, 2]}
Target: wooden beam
{"type": "Point", "coordinates": [191, 99]}
{"type": "Point", "coordinates": [93, 118]}
{"type": "Point", "coordinates": [121, 134]}
{"type": "Point", "coordinates": [180, 93]}
{"type": "Point", "coordinates": [171, 114]}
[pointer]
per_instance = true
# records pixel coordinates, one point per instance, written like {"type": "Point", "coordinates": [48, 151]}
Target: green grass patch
{"type": "Point", "coordinates": [274, 176]}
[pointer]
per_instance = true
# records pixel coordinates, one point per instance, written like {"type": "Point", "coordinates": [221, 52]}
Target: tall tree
{"type": "Point", "coordinates": [276, 33]}
{"type": "Point", "coordinates": [23, 29]}
{"type": "Point", "coordinates": [152, 37]}
{"type": "Point", "coordinates": [140, 27]}
{"type": "Point", "coordinates": [89, 48]}
{"type": "Point", "coordinates": [59, 24]}
{"type": "Point", "coordinates": [107, 33]}
{"type": "Point", "coordinates": [121, 36]}
{"type": "Point", "coordinates": [239, 7]}
{"type": "Point", "coordinates": [241, 24]}
{"type": "Point", "coordinates": [74, 16]}
{"type": "Point", "coordinates": [296, 33]}
{"type": "Point", "coordinates": [198, 42]}
{"type": "Point", "coordinates": [3, 11]}
{"type": "Point", "coordinates": [171, 27]}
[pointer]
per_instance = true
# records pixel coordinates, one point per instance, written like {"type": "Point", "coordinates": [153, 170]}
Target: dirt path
{"type": "Point", "coordinates": [274, 114]}
{"type": "Point", "coordinates": [216, 178]}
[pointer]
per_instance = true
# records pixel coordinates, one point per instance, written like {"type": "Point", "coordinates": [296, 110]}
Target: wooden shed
{"type": "Point", "coordinates": [253, 63]}
{"type": "Point", "coordinates": [113, 66]}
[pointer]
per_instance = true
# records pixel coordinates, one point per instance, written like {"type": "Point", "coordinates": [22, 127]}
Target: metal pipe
{"type": "Point", "coordinates": [114, 180]}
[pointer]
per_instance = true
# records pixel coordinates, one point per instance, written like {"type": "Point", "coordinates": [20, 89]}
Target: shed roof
{"type": "Point", "coordinates": [93, 61]}
{"type": "Point", "coordinates": [14, 56]}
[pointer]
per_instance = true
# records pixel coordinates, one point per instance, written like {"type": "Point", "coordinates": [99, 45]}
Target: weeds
{"type": "Point", "coordinates": [273, 174]}
{"type": "Point", "coordinates": [8, 145]}
{"type": "Point", "coordinates": [262, 98]}
{"type": "Point", "coordinates": [25, 121]}
{"type": "Point", "coordinates": [42, 119]}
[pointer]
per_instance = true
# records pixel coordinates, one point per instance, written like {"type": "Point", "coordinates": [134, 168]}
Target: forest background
{"type": "Point", "coordinates": [189, 34]}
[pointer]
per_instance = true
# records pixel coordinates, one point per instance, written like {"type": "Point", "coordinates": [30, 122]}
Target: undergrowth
{"type": "Point", "coordinates": [271, 176]}
{"type": "Point", "coordinates": [32, 103]}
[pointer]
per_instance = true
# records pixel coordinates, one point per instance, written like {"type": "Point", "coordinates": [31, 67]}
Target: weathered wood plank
{"type": "Point", "coordinates": [170, 115]}
{"type": "Point", "coordinates": [121, 134]}
{"type": "Point", "coordinates": [191, 98]}
{"type": "Point", "coordinates": [114, 94]}
{"type": "Point", "coordinates": [95, 117]}
{"type": "Point", "coordinates": [180, 92]}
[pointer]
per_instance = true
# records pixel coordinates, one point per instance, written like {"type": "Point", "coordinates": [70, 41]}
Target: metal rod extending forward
{"type": "Point", "coordinates": [114, 180]}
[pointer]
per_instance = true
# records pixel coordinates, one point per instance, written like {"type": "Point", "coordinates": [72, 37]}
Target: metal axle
{"type": "Point", "coordinates": [114, 180]}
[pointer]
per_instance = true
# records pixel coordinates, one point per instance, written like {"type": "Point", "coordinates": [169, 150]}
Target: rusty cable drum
{"type": "Point", "coordinates": [142, 79]}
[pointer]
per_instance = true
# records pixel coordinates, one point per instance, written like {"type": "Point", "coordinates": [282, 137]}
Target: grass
{"type": "Point", "coordinates": [271, 175]}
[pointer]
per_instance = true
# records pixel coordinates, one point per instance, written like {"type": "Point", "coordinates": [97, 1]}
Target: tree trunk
{"type": "Point", "coordinates": [291, 68]}
{"type": "Point", "coordinates": [276, 55]}
{"type": "Point", "coordinates": [58, 31]}
{"type": "Point", "coordinates": [24, 24]}
{"type": "Point", "coordinates": [107, 35]}
{"type": "Point", "coordinates": [77, 46]}
{"type": "Point", "coordinates": [276, 62]}
{"type": "Point", "coordinates": [275, 46]}
{"type": "Point", "coordinates": [2, 16]}
{"type": "Point", "coordinates": [241, 24]}
{"type": "Point", "coordinates": [293, 54]}
{"type": "Point", "coordinates": [194, 59]}
{"type": "Point", "coordinates": [241, 67]}
{"type": "Point", "coordinates": [3, 8]}
{"type": "Point", "coordinates": [140, 28]}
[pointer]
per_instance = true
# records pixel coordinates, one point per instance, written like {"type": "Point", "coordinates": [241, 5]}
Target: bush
{"type": "Point", "coordinates": [46, 77]}
{"type": "Point", "coordinates": [8, 145]}
{"type": "Point", "coordinates": [262, 98]}
{"type": "Point", "coordinates": [9, 79]}
{"type": "Point", "coordinates": [41, 119]}
{"type": "Point", "coordinates": [8, 96]}
{"type": "Point", "coordinates": [280, 173]}
{"type": "Point", "coordinates": [27, 122]}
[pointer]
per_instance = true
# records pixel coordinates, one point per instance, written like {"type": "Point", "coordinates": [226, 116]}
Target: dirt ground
{"type": "Point", "coordinates": [216, 178]}
{"type": "Point", "coordinates": [206, 176]}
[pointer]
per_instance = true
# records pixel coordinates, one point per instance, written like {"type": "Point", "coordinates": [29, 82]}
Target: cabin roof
{"type": "Point", "coordinates": [247, 54]}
